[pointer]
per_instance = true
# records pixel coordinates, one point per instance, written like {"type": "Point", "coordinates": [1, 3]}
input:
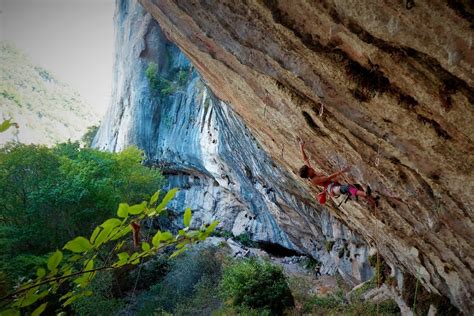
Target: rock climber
{"type": "Point", "coordinates": [331, 187]}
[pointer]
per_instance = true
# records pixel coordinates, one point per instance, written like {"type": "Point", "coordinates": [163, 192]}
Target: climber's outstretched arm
{"type": "Point", "coordinates": [303, 153]}
{"type": "Point", "coordinates": [337, 174]}
{"type": "Point", "coordinates": [320, 180]}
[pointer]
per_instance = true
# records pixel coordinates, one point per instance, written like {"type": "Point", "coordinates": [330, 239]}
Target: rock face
{"type": "Point", "coordinates": [382, 86]}
{"type": "Point", "coordinates": [204, 148]}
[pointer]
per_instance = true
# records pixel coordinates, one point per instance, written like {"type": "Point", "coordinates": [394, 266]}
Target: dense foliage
{"type": "Point", "coordinates": [70, 274]}
{"type": "Point", "coordinates": [89, 135]}
{"type": "Point", "coordinates": [158, 83]}
{"type": "Point", "coordinates": [255, 284]}
{"type": "Point", "coordinates": [189, 287]}
{"type": "Point", "coordinates": [50, 195]}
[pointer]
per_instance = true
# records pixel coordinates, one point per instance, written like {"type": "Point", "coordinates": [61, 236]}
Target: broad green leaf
{"type": "Point", "coordinates": [40, 272]}
{"type": "Point", "coordinates": [67, 272]}
{"type": "Point", "coordinates": [10, 312]}
{"type": "Point", "coordinates": [120, 263]}
{"type": "Point", "coordinates": [187, 217]}
{"type": "Point", "coordinates": [78, 245]}
{"type": "Point", "coordinates": [122, 256]}
{"type": "Point", "coordinates": [39, 310]}
{"type": "Point", "coordinates": [94, 234]}
{"type": "Point", "coordinates": [145, 246]}
{"type": "Point", "coordinates": [103, 235]}
{"type": "Point", "coordinates": [84, 279]}
{"type": "Point", "coordinates": [137, 261]}
{"type": "Point", "coordinates": [181, 232]}
{"type": "Point", "coordinates": [43, 294]}
{"type": "Point", "coordinates": [182, 244]}
{"type": "Point", "coordinates": [119, 245]}
{"type": "Point", "coordinates": [54, 260]}
{"type": "Point", "coordinates": [75, 258]}
{"type": "Point", "coordinates": [111, 222]}
{"type": "Point", "coordinates": [123, 232]}
{"type": "Point", "coordinates": [28, 299]}
{"type": "Point", "coordinates": [5, 125]}
{"type": "Point", "coordinates": [137, 208]}
{"type": "Point", "coordinates": [72, 299]}
{"type": "Point", "coordinates": [166, 236]}
{"type": "Point", "coordinates": [155, 197]}
{"type": "Point", "coordinates": [122, 210]}
{"type": "Point", "coordinates": [168, 197]}
{"type": "Point", "coordinates": [211, 227]}
{"type": "Point", "coordinates": [193, 234]}
{"type": "Point", "coordinates": [156, 239]}
{"type": "Point", "coordinates": [89, 265]}
{"type": "Point", "coordinates": [177, 252]}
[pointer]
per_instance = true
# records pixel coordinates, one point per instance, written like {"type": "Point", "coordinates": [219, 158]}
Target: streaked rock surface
{"type": "Point", "coordinates": [394, 87]}
{"type": "Point", "coordinates": [204, 148]}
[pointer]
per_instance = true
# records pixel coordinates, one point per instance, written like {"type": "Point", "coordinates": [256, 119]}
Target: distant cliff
{"type": "Point", "coordinates": [161, 104]}
{"type": "Point", "coordinates": [47, 110]}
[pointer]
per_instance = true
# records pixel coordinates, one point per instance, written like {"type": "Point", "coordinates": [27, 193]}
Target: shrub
{"type": "Point", "coordinates": [102, 302]}
{"type": "Point", "coordinates": [158, 83]}
{"type": "Point", "coordinates": [240, 311]}
{"type": "Point", "coordinates": [255, 284]}
{"type": "Point", "coordinates": [223, 233]}
{"type": "Point", "coordinates": [326, 302]}
{"type": "Point", "coordinates": [183, 76]}
{"type": "Point", "coordinates": [336, 304]}
{"type": "Point", "coordinates": [246, 240]}
{"type": "Point", "coordinates": [328, 245]}
{"type": "Point", "coordinates": [205, 299]}
{"type": "Point", "coordinates": [189, 285]}
{"type": "Point", "coordinates": [309, 263]}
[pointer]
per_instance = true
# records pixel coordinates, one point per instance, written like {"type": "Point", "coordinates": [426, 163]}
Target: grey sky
{"type": "Point", "coordinates": [71, 38]}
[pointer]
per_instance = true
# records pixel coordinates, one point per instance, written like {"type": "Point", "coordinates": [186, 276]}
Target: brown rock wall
{"type": "Point", "coordinates": [395, 88]}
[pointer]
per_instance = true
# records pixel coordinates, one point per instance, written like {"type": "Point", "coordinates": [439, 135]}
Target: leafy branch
{"type": "Point", "coordinates": [6, 124]}
{"type": "Point", "coordinates": [78, 264]}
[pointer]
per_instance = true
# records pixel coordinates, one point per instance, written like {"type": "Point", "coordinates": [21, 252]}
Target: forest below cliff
{"type": "Point", "coordinates": [51, 195]}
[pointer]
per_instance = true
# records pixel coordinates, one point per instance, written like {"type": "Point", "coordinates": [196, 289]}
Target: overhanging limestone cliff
{"type": "Point", "coordinates": [384, 88]}
{"type": "Point", "coordinates": [161, 104]}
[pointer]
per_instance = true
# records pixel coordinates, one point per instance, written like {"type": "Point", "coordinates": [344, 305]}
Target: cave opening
{"type": "Point", "coordinates": [277, 250]}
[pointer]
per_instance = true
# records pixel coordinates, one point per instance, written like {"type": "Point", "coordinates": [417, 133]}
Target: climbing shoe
{"type": "Point", "coordinates": [368, 192]}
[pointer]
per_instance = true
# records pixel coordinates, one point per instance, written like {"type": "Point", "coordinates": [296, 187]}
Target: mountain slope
{"type": "Point", "coordinates": [47, 110]}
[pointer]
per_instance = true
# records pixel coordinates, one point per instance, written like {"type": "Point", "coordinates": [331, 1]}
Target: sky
{"type": "Point", "coordinates": [73, 39]}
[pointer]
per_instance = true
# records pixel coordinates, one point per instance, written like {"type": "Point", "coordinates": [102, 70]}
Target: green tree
{"type": "Point", "coordinates": [89, 135]}
{"type": "Point", "coordinates": [255, 284]}
{"type": "Point", "coordinates": [50, 195]}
